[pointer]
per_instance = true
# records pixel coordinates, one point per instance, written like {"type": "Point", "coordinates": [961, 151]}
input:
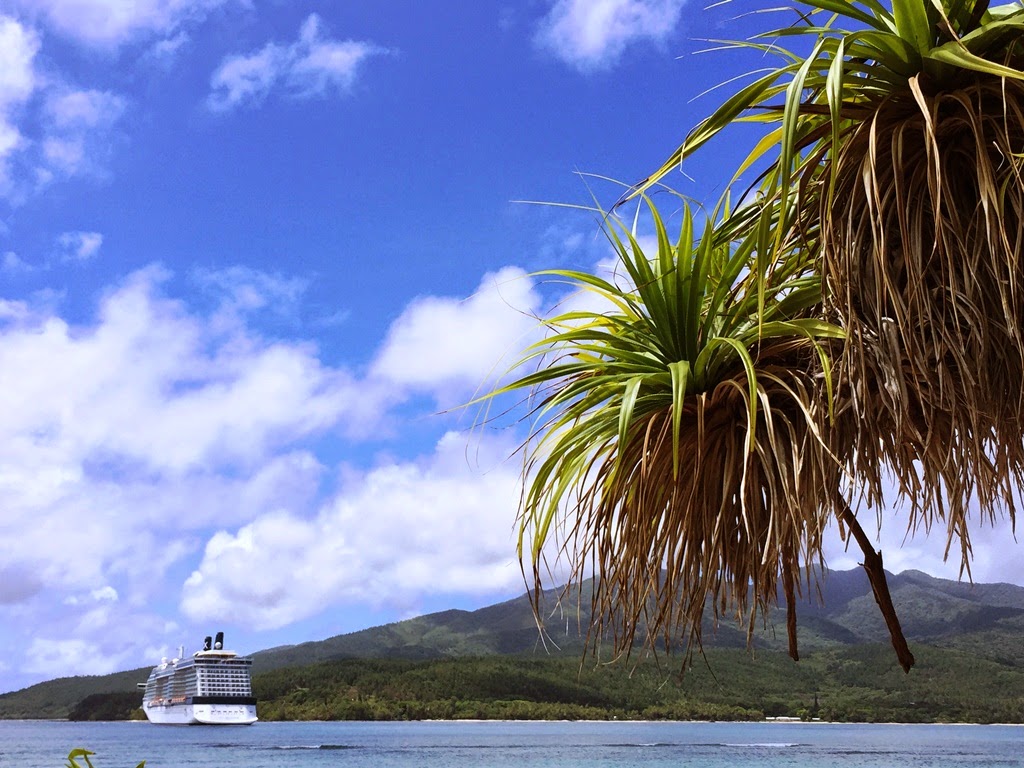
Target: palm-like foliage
{"type": "Point", "coordinates": [681, 423]}
{"type": "Point", "coordinates": [901, 137]}
{"type": "Point", "coordinates": [698, 436]}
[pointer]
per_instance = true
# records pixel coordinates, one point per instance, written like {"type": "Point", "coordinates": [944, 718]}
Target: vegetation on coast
{"type": "Point", "coordinates": [853, 684]}
{"type": "Point", "coordinates": [860, 684]}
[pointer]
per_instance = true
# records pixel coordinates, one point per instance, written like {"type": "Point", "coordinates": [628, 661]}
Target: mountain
{"type": "Point", "coordinates": [983, 621]}
{"type": "Point", "coordinates": [502, 629]}
{"type": "Point", "coordinates": [933, 611]}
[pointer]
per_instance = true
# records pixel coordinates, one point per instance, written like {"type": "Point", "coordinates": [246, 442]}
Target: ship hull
{"type": "Point", "coordinates": [201, 714]}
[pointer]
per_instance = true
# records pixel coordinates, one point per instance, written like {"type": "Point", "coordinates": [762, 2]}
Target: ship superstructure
{"type": "Point", "coordinates": [213, 687]}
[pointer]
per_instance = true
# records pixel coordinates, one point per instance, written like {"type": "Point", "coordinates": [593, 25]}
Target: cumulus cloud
{"type": "Point", "coordinates": [395, 534]}
{"type": "Point", "coordinates": [79, 246]}
{"type": "Point", "coordinates": [143, 421]}
{"type": "Point", "coordinates": [110, 23]}
{"type": "Point", "coordinates": [996, 553]}
{"type": "Point", "coordinates": [160, 452]}
{"type": "Point", "coordinates": [240, 290]}
{"type": "Point", "coordinates": [18, 48]}
{"type": "Point", "coordinates": [100, 595]}
{"type": "Point", "coordinates": [312, 66]}
{"type": "Point", "coordinates": [18, 81]}
{"type": "Point", "coordinates": [125, 440]}
{"type": "Point", "coordinates": [93, 639]}
{"type": "Point", "coordinates": [593, 34]}
{"type": "Point", "coordinates": [78, 126]}
{"type": "Point", "coordinates": [129, 440]}
{"type": "Point", "coordinates": [48, 130]}
{"type": "Point", "coordinates": [73, 109]}
{"type": "Point", "coordinates": [164, 52]}
{"type": "Point", "coordinates": [449, 347]}
{"type": "Point", "coordinates": [11, 262]}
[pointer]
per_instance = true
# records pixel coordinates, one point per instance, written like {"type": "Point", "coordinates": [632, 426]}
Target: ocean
{"type": "Point", "coordinates": [35, 744]}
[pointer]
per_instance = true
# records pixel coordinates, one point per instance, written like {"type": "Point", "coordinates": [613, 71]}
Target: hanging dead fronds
{"type": "Point", "coordinates": [731, 526]}
{"type": "Point", "coordinates": [921, 253]}
{"type": "Point", "coordinates": [899, 130]}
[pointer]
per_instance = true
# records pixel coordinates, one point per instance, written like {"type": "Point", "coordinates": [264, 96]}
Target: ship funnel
{"type": "Point", "coordinates": [206, 642]}
{"type": "Point", "coordinates": [219, 643]}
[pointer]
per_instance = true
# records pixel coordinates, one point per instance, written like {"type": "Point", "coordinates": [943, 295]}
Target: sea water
{"type": "Point", "coordinates": [35, 744]}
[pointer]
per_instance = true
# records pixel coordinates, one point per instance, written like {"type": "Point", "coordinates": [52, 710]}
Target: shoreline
{"type": "Point", "coordinates": [618, 721]}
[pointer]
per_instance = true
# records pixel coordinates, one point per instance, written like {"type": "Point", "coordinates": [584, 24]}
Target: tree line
{"type": "Point", "coordinates": [852, 684]}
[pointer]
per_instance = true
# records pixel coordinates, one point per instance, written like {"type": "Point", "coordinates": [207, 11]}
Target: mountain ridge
{"type": "Point", "coordinates": [984, 620]}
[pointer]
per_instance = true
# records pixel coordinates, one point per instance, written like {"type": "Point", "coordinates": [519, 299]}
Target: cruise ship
{"type": "Point", "coordinates": [214, 687]}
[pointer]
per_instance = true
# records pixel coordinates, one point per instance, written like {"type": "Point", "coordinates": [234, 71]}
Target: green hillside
{"type": "Point", "coordinates": [56, 698]}
{"type": "Point", "coordinates": [968, 639]}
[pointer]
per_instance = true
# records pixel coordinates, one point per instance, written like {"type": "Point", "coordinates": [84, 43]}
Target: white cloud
{"type": "Point", "coordinates": [126, 441]}
{"type": "Point", "coordinates": [48, 129]}
{"type": "Point", "coordinates": [450, 347]}
{"type": "Point", "coordinates": [77, 130]}
{"type": "Point", "coordinates": [120, 438]}
{"type": "Point", "coordinates": [95, 638]}
{"type": "Point", "coordinates": [75, 109]}
{"type": "Point", "coordinates": [100, 595]}
{"type": "Point", "coordinates": [110, 23]}
{"type": "Point", "coordinates": [18, 81]}
{"type": "Point", "coordinates": [11, 262]}
{"type": "Point", "coordinates": [593, 34]}
{"type": "Point", "coordinates": [240, 290]}
{"type": "Point", "coordinates": [18, 47]}
{"type": "Point", "coordinates": [996, 553]}
{"type": "Point", "coordinates": [246, 79]}
{"type": "Point", "coordinates": [164, 52]}
{"type": "Point", "coordinates": [320, 64]}
{"type": "Point", "coordinates": [49, 656]}
{"type": "Point", "coordinates": [79, 246]}
{"type": "Point", "coordinates": [311, 66]}
{"type": "Point", "coordinates": [400, 532]}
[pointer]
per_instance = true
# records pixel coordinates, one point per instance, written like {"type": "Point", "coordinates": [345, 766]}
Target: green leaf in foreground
{"type": "Point", "coordinates": [84, 754]}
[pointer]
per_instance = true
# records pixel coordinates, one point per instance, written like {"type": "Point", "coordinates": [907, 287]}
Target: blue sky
{"type": "Point", "coordinates": [253, 252]}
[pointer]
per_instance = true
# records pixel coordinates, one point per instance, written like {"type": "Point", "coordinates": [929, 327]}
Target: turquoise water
{"type": "Point", "coordinates": [498, 744]}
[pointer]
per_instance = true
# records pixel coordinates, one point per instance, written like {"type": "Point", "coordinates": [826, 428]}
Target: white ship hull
{"type": "Point", "coordinates": [201, 714]}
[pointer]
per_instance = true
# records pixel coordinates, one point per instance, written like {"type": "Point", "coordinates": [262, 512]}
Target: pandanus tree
{"type": "Point", "coordinates": [901, 140]}
{"type": "Point", "coordinates": [679, 425]}
{"type": "Point", "coordinates": [890, 200]}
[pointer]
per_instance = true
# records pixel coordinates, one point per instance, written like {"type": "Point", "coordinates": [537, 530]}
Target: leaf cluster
{"type": "Point", "coordinates": [84, 754]}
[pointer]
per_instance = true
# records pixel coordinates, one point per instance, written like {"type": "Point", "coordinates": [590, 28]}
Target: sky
{"type": "Point", "coordinates": [254, 255]}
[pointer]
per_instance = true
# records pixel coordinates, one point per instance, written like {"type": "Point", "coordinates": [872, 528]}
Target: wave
{"type": "Point", "coordinates": [761, 744]}
{"type": "Point", "coordinates": [315, 746]}
{"type": "Point", "coordinates": [283, 747]}
{"type": "Point", "coordinates": [640, 745]}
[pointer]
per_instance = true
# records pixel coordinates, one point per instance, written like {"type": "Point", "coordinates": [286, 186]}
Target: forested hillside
{"type": "Point", "coordinates": [492, 663]}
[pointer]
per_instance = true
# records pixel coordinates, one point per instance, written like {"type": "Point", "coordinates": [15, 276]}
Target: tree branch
{"type": "Point", "coordinates": [876, 575]}
{"type": "Point", "coordinates": [787, 584]}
